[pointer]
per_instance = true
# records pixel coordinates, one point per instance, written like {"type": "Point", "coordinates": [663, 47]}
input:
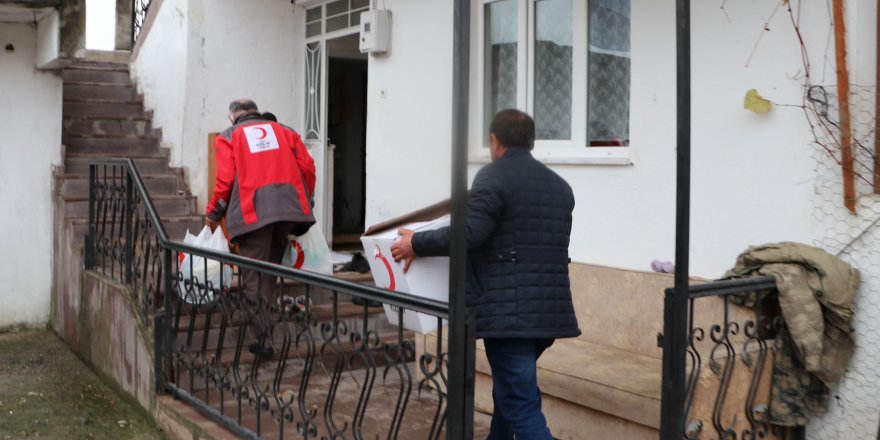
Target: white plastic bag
{"type": "Point", "coordinates": [193, 268]}
{"type": "Point", "coordinates": [309, 252]}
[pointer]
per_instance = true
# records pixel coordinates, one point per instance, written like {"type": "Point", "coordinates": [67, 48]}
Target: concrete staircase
{"type": "Point", "coordinates": [104, 117]}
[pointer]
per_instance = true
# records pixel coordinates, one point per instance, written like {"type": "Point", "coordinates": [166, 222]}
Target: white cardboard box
{"type": "Point", "coordinates": [427, 277]}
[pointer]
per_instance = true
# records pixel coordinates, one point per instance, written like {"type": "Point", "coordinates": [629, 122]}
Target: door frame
{"type": "Point", "coordinates": [316, 134]}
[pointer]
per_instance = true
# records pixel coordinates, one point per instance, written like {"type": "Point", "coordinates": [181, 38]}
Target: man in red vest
{"type": "Point", "coordinates": [264, 188]}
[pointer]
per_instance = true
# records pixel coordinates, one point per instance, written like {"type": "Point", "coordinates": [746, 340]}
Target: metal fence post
{"type": "Point", "coordinates": [460, 409]}
{"type": "Point", "coordinates": [127, 215]}
{"type": "Point", "coordinates": [675, 314]}
{"type": "Point", "coordinates": [159, 350]}
{"type": "Point", "coordinates": [675, 317]}
{"type": "Point", "coordinates": [168, 317]}
{"type": "Point", "coordinates": [89, 257]}
{"type": "Point", "coordinates": [672, 401]}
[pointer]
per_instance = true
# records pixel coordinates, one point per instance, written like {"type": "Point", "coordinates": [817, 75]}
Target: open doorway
{"type": "Point", "coordinates": [347, 133]}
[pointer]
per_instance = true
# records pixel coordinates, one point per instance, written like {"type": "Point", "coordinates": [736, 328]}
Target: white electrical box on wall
{"type": "Point", "coordinates": [375, 31]}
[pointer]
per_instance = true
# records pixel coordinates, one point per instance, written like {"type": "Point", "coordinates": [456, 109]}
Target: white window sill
{"type": "Point", "coordinates": [613, 156]}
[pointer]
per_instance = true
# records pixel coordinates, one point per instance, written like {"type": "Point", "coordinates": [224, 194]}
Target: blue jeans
{"type": "Point", "coordinates": [515, 389]}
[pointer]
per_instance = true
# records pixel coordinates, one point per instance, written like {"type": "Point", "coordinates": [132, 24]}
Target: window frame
{"type": "Point", "coordinates": [573, 151]}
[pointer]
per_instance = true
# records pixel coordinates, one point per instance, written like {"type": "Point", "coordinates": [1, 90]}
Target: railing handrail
{"type": "Point", "coordinates": [731, 286]}
{"type": "Point", "coordinates": [399, 299]}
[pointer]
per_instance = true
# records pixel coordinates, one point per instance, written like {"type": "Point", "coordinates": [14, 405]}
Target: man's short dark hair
{"type": "Point", "coordinates": [514, 129]}
{"type": "Point", "coordinates": [242, 105]}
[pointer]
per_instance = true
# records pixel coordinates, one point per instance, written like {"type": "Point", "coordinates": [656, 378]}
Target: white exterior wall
{"type": "Point", "coordinates": [755, 178]}
{"type": "Point", "coordinates": [48, 38]}
{"type": "Point", "coordinates": [409, 111]}
{"type": "Point", "coordinates": [31, 123]}
{"type": "Point", "coordinates": [160, 70]}
{"type": "Point", "coordinates": [751, 173]}
{"type": "Point", "coordinates": [199, 56]}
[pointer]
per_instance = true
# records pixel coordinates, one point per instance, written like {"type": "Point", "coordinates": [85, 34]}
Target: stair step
{"type": "Point", "coordinates": [322, 312]}
{"type": "Point", "coordinates": [376, 321]}
{"type": "Point", "coordinates": [104, 110]}
{"type": "Point", "coordinates": [175, 227]}
{"type": "Point", "coordinates": [89, 91]}
{"type": "Point", "coordinates": [97, 65]}
{"type": "Point", "coordinates": [110, 145]}
{"type": "Point", "coordinates": [96, 74]}
{"type": "Point", "coordinates": [77, 186]}
{"type": "Point", "coordinates": [166, 206]}
{"type": "Point", "coordinates": [98, 127]}
{"type": "Point", "coordinates": [227, 356]}
{"type": "Point", "coordinates": [177, 419]}
{"type": "Point", "coordinates": [158, 164]}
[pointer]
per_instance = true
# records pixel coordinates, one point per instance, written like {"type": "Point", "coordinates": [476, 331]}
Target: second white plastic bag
{"type": "Point", "coordinates": [309, 252]}
{"type": "Point", "coordinates": [197, 273]}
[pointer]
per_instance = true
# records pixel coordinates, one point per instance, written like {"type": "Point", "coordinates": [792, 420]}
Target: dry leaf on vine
{"type": "Point", "coordinates": [756, 102]}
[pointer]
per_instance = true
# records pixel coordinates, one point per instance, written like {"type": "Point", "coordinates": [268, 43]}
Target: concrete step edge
{"type": "Point", "coordinates": [157, 197]}
{"type": "Point", "coordinates": [138, 155]}
{"type": "Point", "coordinates": [349, 309]}
{"type": "Point", "coordinates": [165, 220]}
{"type": "Point", "coordinates": [135, 100]}
{"type": "Point", "coordinates": [98, 65]}
{"type": "Point", "coordinates": [148, 116]}
{"type": "Point", "coordinates": [74, 82]}
{"type": "Point", "coordinates": [78, 176]}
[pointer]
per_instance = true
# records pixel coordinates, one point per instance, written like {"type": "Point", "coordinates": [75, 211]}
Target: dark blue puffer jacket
{"type": "Point", "coordinates": [519, 224]}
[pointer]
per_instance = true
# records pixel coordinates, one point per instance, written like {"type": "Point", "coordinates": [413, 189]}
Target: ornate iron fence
{"type": "Point", "coordinates": [124, 239]}
{"type": "Point", "coordinates": [299, 361]}
{"type": "Point", "coordinates": [732, 329]}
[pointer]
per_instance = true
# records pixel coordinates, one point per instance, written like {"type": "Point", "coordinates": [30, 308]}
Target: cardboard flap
{"type": "Point", "coordinates": [425, 214]}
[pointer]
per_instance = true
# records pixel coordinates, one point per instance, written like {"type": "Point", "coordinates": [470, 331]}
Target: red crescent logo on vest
{"type": "Point", "coordinates": [378, 255]}
{"type": "Point", "coordinates": [300, 255]}
{"type": "Point", "coordinates": [261, 130]}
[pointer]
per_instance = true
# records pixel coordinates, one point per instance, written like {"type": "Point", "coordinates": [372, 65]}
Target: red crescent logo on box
{"type": "Point", "coordinates": [378, 255]}
{"type": "Point", "coordinates": [300, 255]}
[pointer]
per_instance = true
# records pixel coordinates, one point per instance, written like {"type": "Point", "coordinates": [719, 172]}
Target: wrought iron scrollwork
{"type": "Point", "coordinates": [736, 350]}
{"type": "Point", "coordinates": [324, 353]}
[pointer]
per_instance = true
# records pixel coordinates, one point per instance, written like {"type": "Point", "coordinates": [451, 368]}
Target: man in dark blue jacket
{"type": "Point", "coordinates": [519, 226]}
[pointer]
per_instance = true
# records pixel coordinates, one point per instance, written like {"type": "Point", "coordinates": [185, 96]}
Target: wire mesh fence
{"type": "Point", "coordinates": [855, 407]}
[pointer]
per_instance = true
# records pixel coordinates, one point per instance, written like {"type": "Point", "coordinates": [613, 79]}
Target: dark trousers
{"type": "Point", "coordinates": [515, 390]}
{"type": "Point", "coordinates": [268, 244]}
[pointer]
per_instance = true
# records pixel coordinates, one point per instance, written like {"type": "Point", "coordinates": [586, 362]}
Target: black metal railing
{"type": "Point", "coordinates": [139, 10]}
{"type": "Point", "coordinates": [337, 370]}
{"type": "Point", "coordinates": [125, 236]}
{"type": "Point", "coordinates": [732, 326]}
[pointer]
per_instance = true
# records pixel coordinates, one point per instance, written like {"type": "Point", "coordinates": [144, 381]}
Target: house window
{"type": "Point", "coordinates": [609, 72]}
{"type": "Point", "coordinates": [566, 62]}
{"type": "Point", "coordinates": [335, 16]}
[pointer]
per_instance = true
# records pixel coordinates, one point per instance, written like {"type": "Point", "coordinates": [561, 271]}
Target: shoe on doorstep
{"type": "Point", "coordinates": [357, 264]}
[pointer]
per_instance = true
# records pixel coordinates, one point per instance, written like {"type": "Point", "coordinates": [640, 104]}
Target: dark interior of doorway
{"type": "Point", "coordinates": [347, 131]}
